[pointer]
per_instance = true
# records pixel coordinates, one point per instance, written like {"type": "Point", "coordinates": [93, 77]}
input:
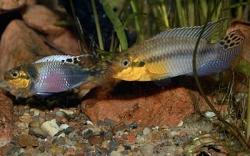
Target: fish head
{"type": "Point", "coordinates": [18, 77]}
{"type": "Point", "coordinates": [127, 67]}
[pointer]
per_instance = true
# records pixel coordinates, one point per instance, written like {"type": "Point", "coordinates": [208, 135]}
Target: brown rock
{"type": "Point", "coordinates": [28, 140]}
{"type": "Point", "coordinates": [43, 19]}
{"type": "Point", "coordinates": [94, 140]}
{"type": "Point", "coordinates": [20, 45]}
{"type": "Point", "coordinates": [6, 119]}
{"type": "Point", "coordinates": [5, 133]}
{"type": "Point", "coordinates": [8, 5]}
{"type": "Point", "coordinates": [5, 149]}
{"type": "Point", "coordinates": [146, 105]}
{"type": "Point", "coordinates": [244, 26]}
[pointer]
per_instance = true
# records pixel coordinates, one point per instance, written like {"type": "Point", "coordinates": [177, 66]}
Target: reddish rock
{"type": "Point", "coordinates": [94, 140]}
{"type": "Point", "coordinates": [149, 105]}
{"type": "Point", "coordinates": [20, 44]}
{"type": "Point", "coordinates": [6, 119]}
{"type": "Point", "coordinates": [244, 26]}
{"type": "Point", "coordinates": [8, 5]}
{"type": "Point", "coordinates": [41, 18]}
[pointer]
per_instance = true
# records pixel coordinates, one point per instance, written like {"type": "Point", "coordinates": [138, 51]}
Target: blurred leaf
{"type": "Point", "coordinates": [116, 23]}
{"type": "Point", "coordinates": [130, 17]}
{"type": "Point", "coordinates": [64, 23]}
{"type": "Point", "coordinates": [105, 54]}
{"type": "Point", "coordinates": [237, 5]}
{"type": "Point", "coordinates": [243, 67]}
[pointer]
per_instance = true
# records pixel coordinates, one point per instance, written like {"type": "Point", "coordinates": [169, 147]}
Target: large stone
{"type": "Point", "coordinates": [20, 44]}
{"type": "Point", "coordinates": [149, 105]}
{"type": "Point", "coordinates": [9, 5]}
{"type": "Point", "coordinates": [6, 119]}
{"type": "Point", "coordinates": [41, 18]}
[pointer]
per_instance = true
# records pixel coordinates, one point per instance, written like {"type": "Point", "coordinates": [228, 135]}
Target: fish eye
{"type": "Point", "coordinates": [125, 63]}
{"type": "Point", "coordinates": [15, 74]}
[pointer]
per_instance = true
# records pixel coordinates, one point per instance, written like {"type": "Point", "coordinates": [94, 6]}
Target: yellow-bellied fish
{"type": "Point", "coordinates": [51, 74]}
{"type": "Point", "coordinates": [170, 54]}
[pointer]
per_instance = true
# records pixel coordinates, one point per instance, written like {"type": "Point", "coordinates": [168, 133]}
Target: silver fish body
{"type": "Point", "coordinates": [50, 74]}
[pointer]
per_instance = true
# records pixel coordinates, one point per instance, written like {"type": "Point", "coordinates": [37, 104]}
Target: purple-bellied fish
{"type": "Point", "coordinates": [170, 54]}
{"type": "Point", "coordinates": [51, 74]}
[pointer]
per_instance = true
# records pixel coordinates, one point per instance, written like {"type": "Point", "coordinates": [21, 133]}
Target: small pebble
{"type": "Point", "coordinates": [89, 122]}
{"type": "Point", "coordinates": [61, 114]}
{"type": "Point", "coordinates": [209, 114]}
{"type": "Point", "coordinates": [120, 127]}
{"type": "Point", "coordinates": [68, 112]}
{"type": "Point", "coordinates": [133, 125]}
{"type": "Point", "coordinates": [63, 126]}
{"type": "Point", "coordinates": [110, 122]}
{"type": "Point", "coordinates": [120, 148]}
{"type": "Point", "coordinates": [87, 133]}
{"type": "Point", "coordinates": [69, 130]}
{"type": "Point", "coordinates": [146, 131]}
{"type": "Point", "coordinates": [50, 127]}
{"type": "Point", "coordinates": [56, 150]}
{"type": "Point", "coordinates": [95, 140]}
{"type": "Point", "coordinates": [28, 140]}
{"type": "Point", "coordinates": [38, 132]}
{"type": "Point", "coordinates": [105, 144]}
{"type": "Point", "coordinates": [115, 153]}
{"type": "Point", "coordinates": [59, 141]}
{"type": "Point", "coordinates": [108, 135]}
{"type": "Point", "coordinates": [34, 124]}
{"type": "Point", "coordinates": [113, 145]}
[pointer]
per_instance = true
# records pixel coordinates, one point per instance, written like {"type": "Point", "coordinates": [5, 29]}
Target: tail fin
{"type": "Point", "coordinates": [231, 47]}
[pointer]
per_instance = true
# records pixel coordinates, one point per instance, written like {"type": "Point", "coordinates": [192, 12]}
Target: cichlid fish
{"type": "Point", "coordinates": [170, 54]}
{"type": "Point", "coordinates": [51, 74]}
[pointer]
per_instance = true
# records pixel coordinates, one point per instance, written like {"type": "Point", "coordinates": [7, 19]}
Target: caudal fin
{"type": "Point", "coordinates": [230, 47]}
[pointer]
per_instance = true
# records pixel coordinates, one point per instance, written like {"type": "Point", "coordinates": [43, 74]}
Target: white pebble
{"type": "Point", "coordinates": [209, 114]}
{"type": "Point", "coordinates": [50, 127]}
{"type": "Point", "coordinates": [36, 111]}
{"type": "Point", "coordinates": [146, 131]}
{"type": "Point", "coordinates": [89, 122]}
{"type": "Point", "coordinates": [68, 112]}
{"type": "Point", "coordinates": [115, 153]}
{"type": "Point", "coordinates": [63, 126]}
{"type": "Point", "coordinates": [180, 124]}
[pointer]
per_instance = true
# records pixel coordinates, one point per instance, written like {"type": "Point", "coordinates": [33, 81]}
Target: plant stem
{"type": "Point", "coordinates": [234, 130]}
{"type": "Point", "coordinates": [204, 8]}
{"type": "Point", "coordinates": [239, 11]}
{"type": "Point", "coordinates": [137, 25]}
{"type": "Point", "coordinates": [248, 112]}
{"type": "Point", "coordinates": [97, 25]}
{"type": "Point", "coordinates": [182, 19]}
{"type": "Point", "coordinates": [191, 13]}
{"type": "Point", "coordinates": [78, 26]}
{"type": "Point", "coordinates": [164, 12]}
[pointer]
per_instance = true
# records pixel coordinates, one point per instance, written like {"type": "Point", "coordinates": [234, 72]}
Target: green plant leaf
{"type": "Point", "coordinates": [243, 67]}
{"type": "Point", "coordinates": [237, 5]}
{"type": "Point", "coordinates": [118, 26]}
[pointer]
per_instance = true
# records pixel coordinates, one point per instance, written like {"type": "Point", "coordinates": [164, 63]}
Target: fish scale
{"type": "Point", "coordinates": [170, 54]}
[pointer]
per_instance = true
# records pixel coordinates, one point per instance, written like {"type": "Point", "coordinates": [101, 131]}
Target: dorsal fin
{"type": "Point", "coordinates": [212, 30]}
{"type": "Point", "coordinates": [63, 58]}
{"type": "Point", "coordinates": [60, 58]}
